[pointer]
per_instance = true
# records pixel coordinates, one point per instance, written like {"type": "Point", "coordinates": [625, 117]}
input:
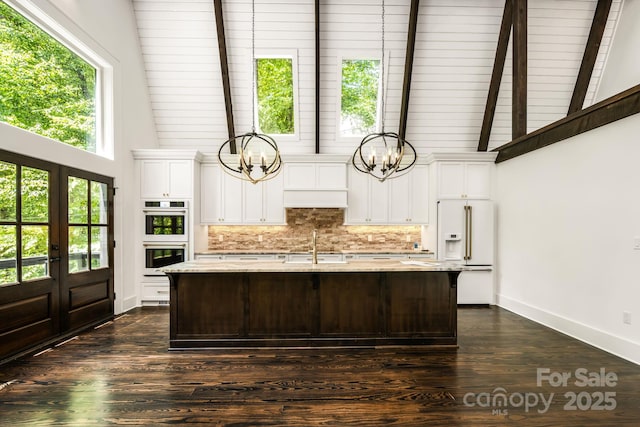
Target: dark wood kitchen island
{"type": "Point", "coordinates": [217, 304]}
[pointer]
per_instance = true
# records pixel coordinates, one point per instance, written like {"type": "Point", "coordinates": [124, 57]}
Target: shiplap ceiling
{"type": "Point", "coordinates": [455, 48]}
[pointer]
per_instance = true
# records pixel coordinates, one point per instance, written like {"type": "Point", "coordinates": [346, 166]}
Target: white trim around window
{"type": "Point", "coordinates": [55, 23]}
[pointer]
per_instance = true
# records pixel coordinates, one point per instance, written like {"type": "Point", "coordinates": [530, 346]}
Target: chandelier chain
{"type": "Point", "coordinates": [382, 94]}
{"type": "Point", "coordinates": [253, 66]}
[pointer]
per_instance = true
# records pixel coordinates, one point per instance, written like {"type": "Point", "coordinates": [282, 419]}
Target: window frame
{"type": "Point", "coordinates": [104, 87]}
{"type": "Point", "coordinates": [360, 55]}
{"type": "Point", "coordinates": [277, 54]}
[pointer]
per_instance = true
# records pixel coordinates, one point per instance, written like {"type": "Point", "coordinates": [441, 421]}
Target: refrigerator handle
{"type": "Point", "coordinates": [470, 232]}
{"type": "Point", "coordinates": [466, 232]}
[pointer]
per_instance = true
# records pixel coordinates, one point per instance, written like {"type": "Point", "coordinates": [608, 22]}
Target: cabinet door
{"type": "Point", "coordinates": [153, 179]}
{"type": "Point", "coordinates": [279, 305]}
{"type": "Point", "coordinates": [209, 194]}
{"type": "Point", "coordinates": [419, 195]}
{"type": "Point", "coordinates": [400, 199]}
{"type": "Point", "coordinates": [378, 201]}
{"type": "Point", "coordinates": [273, 200]}
{"type": "Point", "coordinates": [420, 304]}
{"type": "Point", "coordinates": [352, 310]}
{"type": "Point", "coordinates": [451, 180]}
{"type": "Point", "coordinates": [252, 203]}
{"type": "Point", "coordinates": [180, 182]}
{"type": "Point", "coordinates": [358, 198]}
{"type": "Point", "coordinates": [478, 180]}
{"type": "Point", "coordinates": [230, 199]}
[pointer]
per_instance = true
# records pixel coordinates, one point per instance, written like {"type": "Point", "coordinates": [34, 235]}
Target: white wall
{"type": "Point", "coordinates": [109, 29]}
{"type": "Point", "coordinates": [568, 216]}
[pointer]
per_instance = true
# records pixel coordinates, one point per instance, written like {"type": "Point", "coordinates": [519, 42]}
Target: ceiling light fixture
{"type": "Point", "coordinates": [396, 155]}
{"type": "Point", "coordinates": [252, 150]}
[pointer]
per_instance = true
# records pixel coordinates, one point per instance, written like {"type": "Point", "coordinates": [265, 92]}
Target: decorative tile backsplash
{"type": "Point", "coordinates": [333, 236]}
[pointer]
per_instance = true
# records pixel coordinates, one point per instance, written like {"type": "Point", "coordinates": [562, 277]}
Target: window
{"type": "Point", "coordinates": [276, 90]}
{"type": "Point", "coordinates": [45, 87]}
{"type": "Point", "coordinates": [359, 96]}
{"type": "Point", "coordinates": [24, 223]}
{"type": "Point", "coordinates": [88, 225]}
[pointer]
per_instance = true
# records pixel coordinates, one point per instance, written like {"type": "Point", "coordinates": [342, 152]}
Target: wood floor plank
{"type": "Point", "coordinates": [122, 374]}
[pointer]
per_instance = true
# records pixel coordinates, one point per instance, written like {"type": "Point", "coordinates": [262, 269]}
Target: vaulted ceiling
{"type": "Point", "coordinates": [454, 54]}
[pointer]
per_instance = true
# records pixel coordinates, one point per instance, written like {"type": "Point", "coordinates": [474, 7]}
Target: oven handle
{"type": "Point", "coordinates": [165, 245]}
{"type": "Point", "coordinates": [165, 211]}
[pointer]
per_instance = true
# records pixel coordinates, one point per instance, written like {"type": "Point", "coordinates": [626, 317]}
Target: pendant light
{"type": "Point", "coordinates": [384, 155]}
{"type": "Point", "coordinates": [257, 156]}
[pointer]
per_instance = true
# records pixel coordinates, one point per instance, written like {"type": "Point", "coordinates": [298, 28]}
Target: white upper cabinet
{"type": "Point", "coordinates": [226, 199]}
{"type": "Point", "coordinates": [403, 200]}
{"type": "Point", "coordinates": [166, 179]}
{"type": "Point", "coordinates": [167, 174]}
{"type": "Point", "coordinates": [464, 180]}
{"type": "Point", "coordinates": [263, 202]}
{"type": "Point", "coordinates": [409, 198]}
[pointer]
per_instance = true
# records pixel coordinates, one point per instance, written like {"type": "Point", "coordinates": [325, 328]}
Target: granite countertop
{"type": "Point", "coordinates": [271, 252]}
{"type": "Point", "coordinates": [206, 266]}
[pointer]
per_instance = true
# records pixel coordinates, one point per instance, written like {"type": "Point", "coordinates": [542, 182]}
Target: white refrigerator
{"type": "Point", "coordinates": [466, 235]}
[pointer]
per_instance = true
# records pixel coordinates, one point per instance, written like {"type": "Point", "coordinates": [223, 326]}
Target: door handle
{"type": "Point", "coordinates": [54, 259]}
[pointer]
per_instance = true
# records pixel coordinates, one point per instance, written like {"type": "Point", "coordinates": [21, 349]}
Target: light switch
{"type": "Point", "coordinates": [636, 243]}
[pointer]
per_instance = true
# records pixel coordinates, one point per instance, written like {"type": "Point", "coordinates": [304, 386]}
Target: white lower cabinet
{"type": "Point", "coordinates": [155, 291]}
{"type": "Point", "coordinates": [388, 256]}
{"type": "Point", "coordinates": [322, 257]}
{"type": "Point", "coordinates": [476, 287]}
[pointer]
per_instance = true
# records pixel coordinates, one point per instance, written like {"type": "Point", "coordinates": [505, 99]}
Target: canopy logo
{"type": "Point", "coordinates": [500, 401]}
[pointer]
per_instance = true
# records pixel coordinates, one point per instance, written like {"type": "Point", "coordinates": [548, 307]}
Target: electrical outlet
{"type": "Point", "coordinates": [370, 238]}
{"type": "Point", "coordinates": [626, 317]}
{"type": "Point", "coordinates": [259, 237]}
{"type": "Point", "coordinates": [221, 238]}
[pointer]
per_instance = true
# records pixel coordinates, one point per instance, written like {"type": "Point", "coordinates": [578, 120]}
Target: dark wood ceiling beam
{"type": "Point", "coordinates": [496, 76]}
{"type": "Point", "coordinates": [590, 54]}
{"type": "Point", "coordinates": [317, 71]}
{"type": "Point", "coordinates": [224, 68]}
{"type": "Point", "coordinates": [617, 107]}
{"type": "Point", "coordinates": [408, 67]}
{"type": "Point", "coordinates": [519, 101]}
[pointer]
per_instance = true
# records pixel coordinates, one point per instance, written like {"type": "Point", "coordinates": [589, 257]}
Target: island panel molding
{"type": "Point", "coordinates": [275, 304]}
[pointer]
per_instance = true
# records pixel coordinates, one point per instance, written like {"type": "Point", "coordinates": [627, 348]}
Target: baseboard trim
{"type": "Point", "coordinates": [615, 345]}
{"type": "Point", "coordinates": [129, 303]}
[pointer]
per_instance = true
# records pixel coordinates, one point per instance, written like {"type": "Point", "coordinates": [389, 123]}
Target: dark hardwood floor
{"type": "Point", "coordinates": [122, 373]}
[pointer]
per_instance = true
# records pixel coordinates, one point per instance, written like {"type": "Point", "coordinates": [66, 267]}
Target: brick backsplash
{"type": "Point", "coordinates": [333, 235]}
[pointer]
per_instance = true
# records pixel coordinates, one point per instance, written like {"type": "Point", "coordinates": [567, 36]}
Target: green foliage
{"type": "Point", "coordinates": [275, 95]}
{"type": "Point", "coordinates": [44, 87]}
{"type": "Point", "coordinates": [359, 99]}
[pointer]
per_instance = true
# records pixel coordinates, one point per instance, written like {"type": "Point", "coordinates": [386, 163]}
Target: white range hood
{"type": "Point", "coordinates": [318, 181]}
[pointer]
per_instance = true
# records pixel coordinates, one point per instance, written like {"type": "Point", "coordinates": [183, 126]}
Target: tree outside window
{"type": "Point", "coordinates": [275, 95]}
{"type": "Point", "coordinates": [45, 88]}
{"type": "Point", "coordinates": [359, 98]}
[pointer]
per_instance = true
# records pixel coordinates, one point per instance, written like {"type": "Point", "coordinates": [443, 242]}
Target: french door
{"type": "Point", "coordinates": [56, 251]}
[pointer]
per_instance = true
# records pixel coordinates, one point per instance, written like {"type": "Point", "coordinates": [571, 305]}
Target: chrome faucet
{"type": "Point", "coordinates": [314, 247]}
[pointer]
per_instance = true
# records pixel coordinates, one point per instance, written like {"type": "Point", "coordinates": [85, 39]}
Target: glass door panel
{"type": "Point", "coordinates": [8, 255]}
{"type": "Point", "coordinates": [35, 252]}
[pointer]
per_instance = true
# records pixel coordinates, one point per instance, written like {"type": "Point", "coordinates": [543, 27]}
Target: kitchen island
{"type": "Point", "coordinates": [218, 304]}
